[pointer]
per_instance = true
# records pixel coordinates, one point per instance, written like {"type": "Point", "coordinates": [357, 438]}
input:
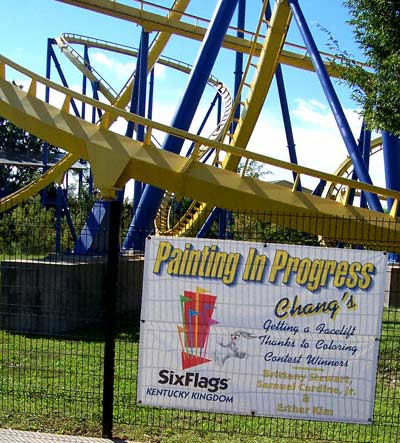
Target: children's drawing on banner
{"type": "Point", "coordinates": [231, 348]}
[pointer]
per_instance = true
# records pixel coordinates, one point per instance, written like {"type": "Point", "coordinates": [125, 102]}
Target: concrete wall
{"type": "Point", "coordinates": [392, 294]}
{"type": "Point", "coordinates": [56, 296]}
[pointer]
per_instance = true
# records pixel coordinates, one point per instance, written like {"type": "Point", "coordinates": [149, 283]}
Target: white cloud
{"type": "Point", "coordinates": [319, 144]}
{"type": "Point", "coordinates": [313, 112]}
{"type": "Point", "coordinates": [159, 71]}
{"type": "Point", "coordinates": [318, 104]}
{"type": "Point", "coordinates": [102, 59]}
{"type": "Point", "coordinates": [122, 69]}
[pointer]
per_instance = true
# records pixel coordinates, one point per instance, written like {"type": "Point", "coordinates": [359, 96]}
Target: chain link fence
{"type": "Point", "coordinates": [69, 334]}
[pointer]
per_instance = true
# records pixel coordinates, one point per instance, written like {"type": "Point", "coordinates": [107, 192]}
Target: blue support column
{"type": "Point", "coordinates": [222, 224]}
{"type": "Point", "coordinates": [364, 146]}
{"type": "Point", "coordinates": [151, 96]}
{"type": "Point", "coordinates": [61, 202]}
{"type": "Point", "coordinates": [391, 159]}
{"type": "Point", "coordinates": [91, 184]}
{"type": "Point", "coordinates": [95, 86]}
{"type": "Point", "coordinates": [63, 209]}
{"type": "Point", "coordinates": [151, 198]}
{"type": "Point", "coordinates": [334, 104]}
{"type": "Point", "coordinates": [286, 121]}
{"type": "Point", "coordinates": [141, 103]}
{"type": "Point", "coordinates": [90, 239]}
{"type": "Point", "coordinates": [84, 79]}
{"type": "Point", "coordinates": [239, 58]}
{"type": "Point", "coordinates": [210, 152]}
{"type": "Point", "coordinates": [50, 42]}
{"type": "Point", "coordinates": [219, 108]}
{"type": "Point", "coordinates": [58, 218]}
{"type": "Point", "coordinates": [354, 174]}
{"type": "Point", "coordinates": [133, 105]}
{"type": "Point", "coordinates": [319, 188]}
{"type": "Point", "coordinates": [366, 150]}
{"type": "Point", "coordinates": [208, 223]}
{"type": "Point", "coordinates": [62, 77]}
{"type": "Point", "coordinates": [205, 119]}
{"type": "Point", "coordinates": [45, 160]}
{"type": "Point", "coordinates": [150, 106]}
{"type": "Point", "coordinates": [285, 110]}
{"type": "Point", "coordinates": [238, 74]}
{"type": "Point", "coordinates": [68, 217]}
{"type": "Point", "coordinates": [83, 109]}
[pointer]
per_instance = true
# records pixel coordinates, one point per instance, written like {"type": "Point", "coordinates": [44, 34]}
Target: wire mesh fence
{"type": "Point", "coordinates": [55, 333]}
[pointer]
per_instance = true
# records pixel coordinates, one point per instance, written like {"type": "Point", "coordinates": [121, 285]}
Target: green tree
{"type": "Point", "coordinates": [17, 144]}
{"type": "Point", "coordinates": [376, 26]}
{"type": "Point", "coordinates": [253, 169]}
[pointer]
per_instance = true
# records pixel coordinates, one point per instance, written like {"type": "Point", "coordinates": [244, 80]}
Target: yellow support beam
{"type": "Point", "coordinates": [172, 25]}
{"type": "Point", "coordinates": [61, 167]}
{"type": "Point", "coordinates": [116, 158]}
{"type": "Point", "coordinates": [151, 125]}
{"type": "Point", "coordinates": [268, 61]}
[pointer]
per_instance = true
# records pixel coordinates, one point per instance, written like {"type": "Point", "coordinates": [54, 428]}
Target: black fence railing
{"type": "Point", "coordinates": [69, 336]}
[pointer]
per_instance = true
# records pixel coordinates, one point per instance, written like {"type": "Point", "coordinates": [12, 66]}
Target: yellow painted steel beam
{"type": "Point", "coordinates": [172, 25]}
{"type": "Point", "coordinates": [116, 158]}
{"type": "Point", "coordinates": [304, 62]}
{"type": "Point", "coordinates": [149, 20]}
{"type": "Point", "coordinates": [61, 167]}
{"type": "Point", "coordinates": [153, 125]}
{"type": "Point", "coordinates": [265, 70]}
{"type": "Point", "coordinates": [266, 67]}
{"type": "Point", "coordinates": [261, 84]}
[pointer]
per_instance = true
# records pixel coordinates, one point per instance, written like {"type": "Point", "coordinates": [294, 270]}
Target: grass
{"type": "Point", "coordinates": [54, 384]}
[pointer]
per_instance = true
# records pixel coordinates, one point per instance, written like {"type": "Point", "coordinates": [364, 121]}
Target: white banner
{"type": "Point", "coordinates": [269, 330]}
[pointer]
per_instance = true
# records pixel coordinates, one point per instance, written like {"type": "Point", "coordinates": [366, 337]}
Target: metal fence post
{"type": "Point", "coordinates": [109, 303]}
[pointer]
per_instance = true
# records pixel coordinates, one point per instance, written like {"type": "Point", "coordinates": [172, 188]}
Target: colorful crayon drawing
{"type": "Point", "coordinates": [197, 309]}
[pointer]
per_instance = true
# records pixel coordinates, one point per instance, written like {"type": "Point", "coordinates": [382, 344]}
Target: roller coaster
{"type": "Point", "coordinates": [207, 171]}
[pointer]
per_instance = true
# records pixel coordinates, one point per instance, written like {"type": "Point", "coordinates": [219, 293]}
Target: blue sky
{"type": "Point", "coordinates": [27, 24]}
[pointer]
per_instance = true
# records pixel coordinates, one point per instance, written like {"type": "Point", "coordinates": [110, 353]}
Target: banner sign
{"type": "Point", "coordinates": [261, 329]}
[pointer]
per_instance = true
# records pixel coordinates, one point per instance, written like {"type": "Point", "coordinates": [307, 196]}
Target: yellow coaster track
{"type": "Point", "coordinates": [115, 159]}
{"type": "Point", "coordinates": [263, 57]}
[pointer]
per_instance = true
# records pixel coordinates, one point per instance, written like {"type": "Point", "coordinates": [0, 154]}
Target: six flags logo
{"type": "Point", "coordinates": [197, 310]}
